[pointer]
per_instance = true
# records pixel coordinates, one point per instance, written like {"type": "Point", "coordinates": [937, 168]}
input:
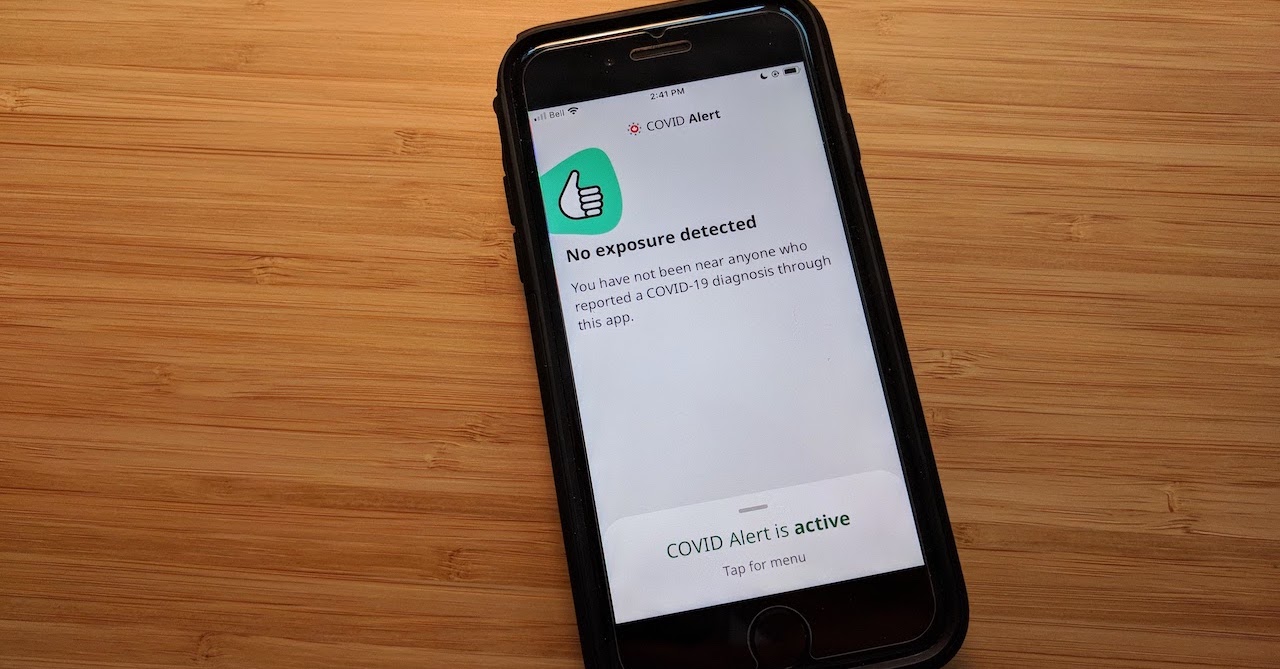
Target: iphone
{"type": "Point", "coordinates": [743, 470]}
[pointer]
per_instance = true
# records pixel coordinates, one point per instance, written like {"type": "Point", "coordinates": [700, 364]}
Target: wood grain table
{"type": "Point", "coordinates": [266, 390]}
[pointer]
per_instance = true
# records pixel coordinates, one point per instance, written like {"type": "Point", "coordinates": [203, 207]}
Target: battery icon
{"type": "Point", "coordinates": [789, 70]}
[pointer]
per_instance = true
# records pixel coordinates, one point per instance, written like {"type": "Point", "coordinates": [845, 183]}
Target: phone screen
{"type": "Point", "coordinates": [737, 433]}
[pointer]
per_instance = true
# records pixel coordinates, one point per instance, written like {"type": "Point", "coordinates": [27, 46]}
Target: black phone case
{"type": "Point", "coordinates": [582, 540]}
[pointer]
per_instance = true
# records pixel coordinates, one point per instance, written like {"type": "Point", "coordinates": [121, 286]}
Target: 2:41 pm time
{"type": "Point", "coordinates": [668, 93]}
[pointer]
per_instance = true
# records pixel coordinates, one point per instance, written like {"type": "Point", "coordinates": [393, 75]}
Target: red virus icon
{"type": "Point", "coordinates": [634, 128]}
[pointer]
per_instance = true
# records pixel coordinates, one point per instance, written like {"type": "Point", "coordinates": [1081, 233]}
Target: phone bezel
{"type": "Point", "coordinates": [602, 639]}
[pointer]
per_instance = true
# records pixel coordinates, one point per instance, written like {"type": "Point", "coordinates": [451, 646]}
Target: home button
{"type": "Point", "coordinates": [779, 638]}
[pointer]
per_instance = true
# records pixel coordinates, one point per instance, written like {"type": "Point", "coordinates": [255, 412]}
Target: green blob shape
{"type": "Point", "coordinates": [593, 207]}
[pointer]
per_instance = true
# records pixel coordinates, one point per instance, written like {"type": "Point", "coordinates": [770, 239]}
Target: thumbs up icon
{"type": "Point", "coordinates": [577, 202]}
{"type": "Point", "coordinates": [571, 206]}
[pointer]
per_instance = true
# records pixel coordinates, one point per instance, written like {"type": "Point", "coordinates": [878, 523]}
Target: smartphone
{"type": "Point", "coordinates": [742, 466]}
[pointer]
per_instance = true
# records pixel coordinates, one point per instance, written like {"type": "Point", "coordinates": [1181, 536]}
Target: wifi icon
{"type": "Point", "coordinates": [573, 110]}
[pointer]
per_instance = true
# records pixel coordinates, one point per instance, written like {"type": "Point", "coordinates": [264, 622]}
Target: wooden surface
{"type": "Point", "coordinates": [266, 390]}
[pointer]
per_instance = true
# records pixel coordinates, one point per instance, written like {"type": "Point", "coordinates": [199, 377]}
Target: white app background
{"type": "Point", "coordinates": [715, 400]}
